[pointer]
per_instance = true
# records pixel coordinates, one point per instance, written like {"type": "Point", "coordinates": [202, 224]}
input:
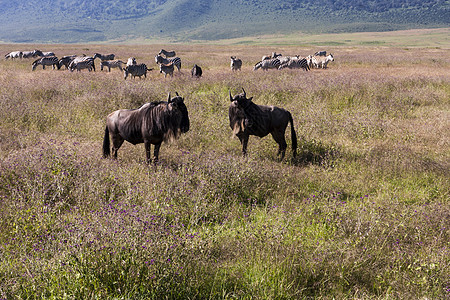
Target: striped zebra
{"type": "Point", "coordinates": [111, 64]}
{"type": "Point", "coordinates": [167, 53]}
{"type": "Point", "coordinates": [131, 61]}
{"type": "Point", "coordinates": [65, 61]}
{"type": "Point", "coordinates": [166, 69]}
{"type": "Point", "coordinates": [295, 63]}
{"type": "Point", "coordinates": [136, 70]}
{"type": "Point", "coordinates": [14, 54]}
{"type": "Point", "coordinates": [322, 61]}
{"type": "Point", "coordinates": [236, 63]}
{"type": "Point", "coordinates": [82, 62]}
{"type": "Point", "coordinates": [46, 61]}
{"type": "Point", "coordinates": [267, 64]}
{"type": "Point", "coordinates": [43, 54]}
{"type": "Point", "coordinates": [28, 54]}
{"type": "Point", "coordinates": [104, 57]}
{"type": "Point", "coordinates": [176, 61]}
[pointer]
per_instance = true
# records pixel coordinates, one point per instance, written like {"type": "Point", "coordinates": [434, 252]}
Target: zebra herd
{"type": "Point", "coordinates": [167, 61]}
{"type": "Point", "coordinates": [277, 61]}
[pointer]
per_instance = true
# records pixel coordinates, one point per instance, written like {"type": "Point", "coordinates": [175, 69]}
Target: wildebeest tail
{"type": "Point", "coordinates": [106, 144]}
{"type": "Point", "coordinates": [293, 136]}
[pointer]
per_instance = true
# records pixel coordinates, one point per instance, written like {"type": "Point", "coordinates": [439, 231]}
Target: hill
{"type": "Point", "coordinates": [71, 21]}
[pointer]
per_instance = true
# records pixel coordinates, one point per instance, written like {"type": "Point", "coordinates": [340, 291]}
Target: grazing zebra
{"type": "Point", "coordinates": [295, 63]}
{"type": "Point", "coordinates": [267, 64]}
{"type": "Point", "coordinates": [46, 61]}
{"type": "Point", "coordinates": [104, 57]}
{"type": "Point", "coordinates": [320, 53]}
{"type": "Point", "coordinates": [136, 70]}
{"type": "Point", "coordinates": [322, 61]}
{"type": "Point", "coordinates": [176, 61]}
{"type": "Point", "coordinates": [111, 64]}
{"type": "Point", "coordinates": [65, 61]}
{"type": "Point", "coordinates": [167, 53]}
{"type": "Point", "coordinates": [82, 62]}
{"type": "Point", "coordinates": [166, 69]}
{"type": "Point", "coordinates": [43, 54]}
{"type": "Point", "coordinates": [14, 54]}
{"type": "Point", "coordinates": [236, 63]}
{"type": "Point", "coordinates": [196, 71]}
{"type": "Point", "coordinates": [28, 54]}
{"type": "Point", "coordinates": [131, 61]}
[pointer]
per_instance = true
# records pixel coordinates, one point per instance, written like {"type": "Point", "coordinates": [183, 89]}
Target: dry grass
{"type": "Point", "coordinates": [363, 211]}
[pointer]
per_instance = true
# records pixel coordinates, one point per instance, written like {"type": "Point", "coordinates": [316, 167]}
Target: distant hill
{"type": "Point", "coordinates": [73, 21]}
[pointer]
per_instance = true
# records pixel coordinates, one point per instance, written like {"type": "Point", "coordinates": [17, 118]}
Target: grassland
{"type": "Point", "coordinates": [362, 212]}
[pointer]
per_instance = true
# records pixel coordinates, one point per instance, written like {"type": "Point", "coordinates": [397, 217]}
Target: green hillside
{"type": "Point", "coordinates": [70, 21]}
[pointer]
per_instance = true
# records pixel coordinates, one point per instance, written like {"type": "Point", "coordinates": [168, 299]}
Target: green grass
{"type": "Point", "coordinates": [361, 212]}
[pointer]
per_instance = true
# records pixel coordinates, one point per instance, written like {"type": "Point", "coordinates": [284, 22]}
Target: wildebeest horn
{"type": "Point", "coordinates": [176, 93]}
{"type": "Point", "coordinates": [168, 97]}
{"type": "Point", "coordinates": [231, 97]}
{"type": "Point", "coordinates": [245, 94]}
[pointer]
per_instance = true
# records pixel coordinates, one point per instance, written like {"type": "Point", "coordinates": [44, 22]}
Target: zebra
{"type": "Point", "coordinates": [236, 63]}
{"type": "Point", "coordinates": [136, 70]}
{"type": "Point", "coordinates": [322, 61]}
{"type": "Point", "coordinates": [43, 54]}
{"type": "Point", "coordinates": [82, 62]}
{"type": "Point", "coordinates": [167, 53]}
{"type": "Point", "coordinates": [131, 61]}
{"type": "Point", "coordinates": [46, 61]}
{"type": "Point", "coordinates": [166, 69]}
{"type": "Point", "coordinates": [176, 61]}
{"type": "Point", "coordinates": [104, 57]}
{"type": "Point", "coordinates": [273, 55]}
{"type": "Point", "coordinates": [273, 63]}
{"type": "Point", "coordinates": [14, 54]}
{"type": "Point", "coordinates": [320, 53]}
{"type": "Point", "coordinates": [65, 61]}
{"type": "Point", "coordinates": [111, 64]}
{"type": "Point", "coordinates": [295, 63]}
{"type": "Point", "coordinates": [28, 54]}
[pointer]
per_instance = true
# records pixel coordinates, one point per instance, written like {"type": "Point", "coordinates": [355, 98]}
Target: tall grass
{"type": "Point", "coordinates": [362, 212]}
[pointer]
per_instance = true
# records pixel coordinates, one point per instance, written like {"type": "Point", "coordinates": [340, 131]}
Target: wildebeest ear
{"type": "Point", "coordinates": [250, 99]}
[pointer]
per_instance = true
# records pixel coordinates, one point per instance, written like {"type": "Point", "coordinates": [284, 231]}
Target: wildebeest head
{"type": "Point", "coordinates": [177, 103]}
{"type": "Point", "coordinates": [238, 119]}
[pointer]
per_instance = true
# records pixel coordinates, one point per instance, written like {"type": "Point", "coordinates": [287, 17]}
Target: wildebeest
{"type": "Point", "coordinates": [152, 123]}
{"type": "Point", "coordinates": [14, 54]}
{"type": "Point", "coordinates": [167, 53]}
{"type": "Point", "coordinates": [248, 118]}
{"type": "Point", "coordinates": [236, 63]}
{"type": "Point", "coordinates": [136, 70]}
{"type": "Point", "coordinates": [104, 57]}
{"type": "Point", "coordinates": [196, 71]}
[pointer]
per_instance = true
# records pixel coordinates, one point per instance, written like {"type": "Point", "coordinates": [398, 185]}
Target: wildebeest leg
{"type": "Point", "coordinates": [244, 142]}
{"type": "Point", "coordinates": [117, 142]}
{"type": "Point", "coordinates": [156, 153]}
{"type": "Point", "coordinates": [148, 151]}
{"type": "Point", "coordinates": [281, 141]}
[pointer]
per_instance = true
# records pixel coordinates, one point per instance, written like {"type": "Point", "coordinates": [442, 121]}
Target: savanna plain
{"type": "Point", "coordinates": [362, 212]}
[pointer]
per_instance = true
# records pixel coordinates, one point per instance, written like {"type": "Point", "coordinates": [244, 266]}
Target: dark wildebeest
{"type": "Point", "coordinates": [104, 57]}
{"type": "Point", "coordinates": [196, 71]}
{"type": "Point", "coordinates": [167, 53]}
{"type": "Point", "coordinates": [152, 123]}
{"type": "Point", "coordinates": [247, 118]}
